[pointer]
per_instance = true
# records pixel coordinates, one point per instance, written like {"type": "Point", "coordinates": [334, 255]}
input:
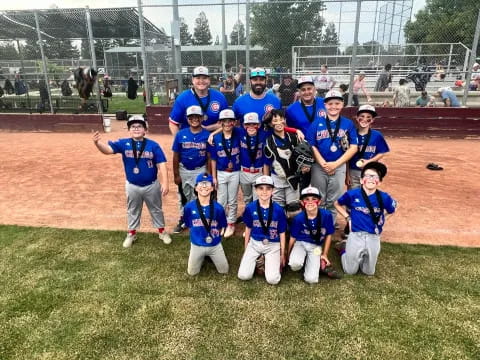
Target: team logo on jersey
{"type": "Point", "coordinates": [215, 106]}
{"type": "Point", "coordinates": [357, 200]}
{"type": "Point", "coordinates": [322, 113]}
{"type": "Point", "coordinates": [268, 108]}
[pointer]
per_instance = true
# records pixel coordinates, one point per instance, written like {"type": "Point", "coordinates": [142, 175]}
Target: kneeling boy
{"type": "Point", "coordinates": [367, 205]}
{"type": "Point", "coordinates": [206, 219]}
{"type": "Point", "coordinates": [266, 224]}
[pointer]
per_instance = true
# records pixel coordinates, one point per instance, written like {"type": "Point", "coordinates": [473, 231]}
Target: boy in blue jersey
{"type": "Point", "coordinates": [257, 100]}
{"type": "Point", "coordinates": [310, 230]}
{"type": "Point", "coordinates": [225, 163]}
{"type": "Point", "coordinates": [190, 152]}
{"type": "Point", "coordinates": [251, 155]}
{"type": "Point", "coordinates": [210, 100]}
{"type": "Point", "coordinates": [367, 206]}
{"type": "Point", "coordinates": [265, 229]}
{"type": "Point", "coordinates": [142, 159]}
{"type": "Point", "coordinates": [334, 142]}
{"type": "Point", "coordinates": [371, 145]}
{"type": "Point", "coordinates": [206, 220]}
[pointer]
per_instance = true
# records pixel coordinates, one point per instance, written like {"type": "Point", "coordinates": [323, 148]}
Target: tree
{"type": "Point", "coordinates": [217, 41]}
{"type": "Point", "coordinates": [60, 49]}
{"type": "Point", "coordinates": [444, 21]}
{"type": "Point", "coordinates": [201, 33]}
{"type": "Point", "coordinates": [8, 51]}
{"type": "Point", "coordinates": [277, 26]}
{"type": "Point", "coordinates": [330, 38]}
{"type": "Point", "coordinates": [185, 36]}
{"type": "Point", "coordinates": [237, 36]}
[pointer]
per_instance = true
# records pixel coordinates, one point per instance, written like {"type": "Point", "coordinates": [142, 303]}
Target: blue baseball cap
{"type": "Point", "coordinates": [204, 177]}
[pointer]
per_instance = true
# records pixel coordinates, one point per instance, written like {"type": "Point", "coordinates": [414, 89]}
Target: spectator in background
{"type": "Point", "coordinates": [287, 90]}
{"type": "Point", "coordinates": [401, 94]}
{"type": "Point", "coordinates": [385, 79]}
{"type": "Point", "coordinates": [324, 82]}
{"type": "Point", "coordinates": [475, 84]}
{"type": "Point", "coordinates": [448, 97]}
{"type": "Point", "coordinates": [424, 100]}
{"type": "Point", "coordinates": [227, 88]}
{"type": "Point", "coordinates": [344, 91]}
{"type": "Point", "coordinates": [359, 84]}
{"type": "Point", "coordinates": [132, 88]}
{"type": "Point", "coordinates": [475, 70]}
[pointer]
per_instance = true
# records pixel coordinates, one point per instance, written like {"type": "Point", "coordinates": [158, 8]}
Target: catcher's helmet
{"type": "Point", "coordinates": [303, 155]}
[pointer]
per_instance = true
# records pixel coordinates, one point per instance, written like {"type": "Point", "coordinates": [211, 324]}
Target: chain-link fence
{"type": "Point", "coordinates": [156, 46]}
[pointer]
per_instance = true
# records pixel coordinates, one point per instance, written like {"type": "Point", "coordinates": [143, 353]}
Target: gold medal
{"type": "Point", "coordinates": [359, 163]}
{"type": "Point", "coordinates": [230, 165]}
{"type": "Point", "coordinates": [136, 170]}
{"type": "Point", "coordinates": [317, 251]}
{"type": "Point", "coordinates": [208, 239]}
{"type": "Point", "coordinates": [265, 241]}
{"type": "Point", "coordinates": [252, 169]}
{"type": "Point", "coordinates": [333, 148]}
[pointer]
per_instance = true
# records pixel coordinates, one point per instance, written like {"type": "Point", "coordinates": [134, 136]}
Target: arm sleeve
{"type": "Point", "coordinates": [159, 155]}
{"type": "Point", "coordinates": [221, 218]}
{"type": "Point", "coordinates": [390, 204]}
{"type": "Point", "coordinates": [178, 110]}
{"type": "Point", "coordinates": [247, 218]}
{"type": "Point", "coordinates": [344, 199]}
{"type": "Point", "coordinates": [328, 224]}
{"type": "Point", "coordinates": [116, 146]}
{"type": "Point", "coordinates": [176, 144]}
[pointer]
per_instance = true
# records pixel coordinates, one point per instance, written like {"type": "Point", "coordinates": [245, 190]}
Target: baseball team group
{"type": "Point", "coordinates": [297, 168]}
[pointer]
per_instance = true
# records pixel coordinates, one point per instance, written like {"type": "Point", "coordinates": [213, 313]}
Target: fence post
{"type": "Point", "coordinates": [224, 39]}
{"type": "Point", "coordinates": [177, 52]}
{"type": "Point", "coordinates": [94, 58]}
{"type": "Point", "coordinates": [247, 45]}
{"type": "Point", "coordinates": [354, 52]}
{"type": "Point", "coordinates": [44, 61]}
{"type": "Point", "coordinates": [473, 56]}
{"type": "Point", "coordinates": [23, 72]}
{"type": "Point", "coordinates": [146, 86]}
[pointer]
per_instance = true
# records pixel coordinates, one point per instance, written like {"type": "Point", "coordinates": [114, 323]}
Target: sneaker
{"type": "Point", "coordinates": [129, 240]}
{"type": "Point", "coordinates": [165, 237]}
{"type": "Point", "coordinates": [229, 231]}
{"type": "Point", "coordinates": [179, 227]}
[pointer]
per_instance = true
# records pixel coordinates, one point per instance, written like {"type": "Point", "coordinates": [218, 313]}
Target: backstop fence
{"type": "Point", "coordinates": [157, 43]}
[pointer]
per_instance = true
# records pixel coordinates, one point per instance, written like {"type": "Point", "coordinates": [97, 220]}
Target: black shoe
{"type": "Point", "coordinates": [179, 227]}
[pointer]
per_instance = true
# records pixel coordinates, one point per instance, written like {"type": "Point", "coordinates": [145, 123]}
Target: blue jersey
{"type": "Point", "coordinates": [376, 145]}
{"type": "Point", "coordinates": [297, 118]}
{"type": "Point", "coordinates": [359, 213]}
{"type": "Point", "coordinates": [247, 145]}
{"type": "Point", "coordinates": [218, 153]}
{"type": "Point", "coordinates": [245, 104]}
{"type": "Point", "coordinates": [193, 221]}
{"type": "Point", "coordinates": [217, 103]}
{"type": "Point", "coordinates": [300, 229]}
{"type": "Point", "coordinates": [147, 163]}
{"type": "Point", "coordinates": [191, 147]}
{"type": "Point", "coordinates": [449, 94]}
{"type": "Point", "coordinates": [277, 226]}
{"type": "Point", "coordinates": [317, 135]}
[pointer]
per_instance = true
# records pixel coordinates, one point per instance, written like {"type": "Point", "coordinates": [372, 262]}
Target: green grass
{"type": "Point", "coordinates": [68, 294]}
{"type": "Point", "coordinates": [118, 102]}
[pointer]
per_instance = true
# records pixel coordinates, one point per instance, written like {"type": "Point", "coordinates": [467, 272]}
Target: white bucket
{"type": "Point", "coordinates": [107, 124]}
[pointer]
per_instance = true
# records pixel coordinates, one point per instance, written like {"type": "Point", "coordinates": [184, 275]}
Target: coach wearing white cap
{"type": "Point", "coordinates": [211, 102]}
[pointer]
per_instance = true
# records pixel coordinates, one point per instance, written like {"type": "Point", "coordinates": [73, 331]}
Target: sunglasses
{"type": "Point", "coordinates": [204, 184]}
{"type": "Point", "coordinates": [371, 176]}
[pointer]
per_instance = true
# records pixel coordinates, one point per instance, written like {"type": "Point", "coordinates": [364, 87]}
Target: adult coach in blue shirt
{"type": "Point", "coordinates": [210, 100]}
{"type": "Point", "coordinates": [257, 100]}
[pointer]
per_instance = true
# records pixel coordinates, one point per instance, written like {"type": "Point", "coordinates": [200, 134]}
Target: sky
{"type": "Point", "coordinates": [162, 16]}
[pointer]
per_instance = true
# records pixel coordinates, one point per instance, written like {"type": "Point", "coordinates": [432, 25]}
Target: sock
{"type": "Point", "coordinates": [161, 230]}
{"type": "Point", "coordinates": [132, 232]}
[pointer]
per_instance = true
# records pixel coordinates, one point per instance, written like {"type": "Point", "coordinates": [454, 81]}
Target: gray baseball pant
{"type": "Point", "coordinates": [254, 249]}
{"type": "Point", "coordinates": [361, 252]}
{"type": "Point", "coordinates": [354, 176]}
{"type": "Point", "coordinates": [188, 183]}
{"type": "Point", "coordinates": [227, 192]}
{"type": "Point", "coordinates": [152, 196]}
{"type": "Point", "coordinates": [283, 193]}
{"type": "Point", "coordinates": [331, 187]}
{"type": "Point", "coordinates": [247, 181]}
{"type": "Point", "coordinates": [302, 253]}
{"type": "Point", "coordinates": [198, 254]}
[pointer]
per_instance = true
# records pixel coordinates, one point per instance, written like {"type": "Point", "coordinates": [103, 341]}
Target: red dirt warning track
{"type": "Point", "coordinates": [61, 180]}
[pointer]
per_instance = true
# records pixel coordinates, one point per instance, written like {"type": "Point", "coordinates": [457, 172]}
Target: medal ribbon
{"type": "Point", "coordinates": [365, 144]}
{"type": "Point", "coordinates": [142, 147]}
{"type": "Point", "coordinates": [269, 218]}
{"type": "Point", "coordinates": [206, 224]}
{"type": "Point", "coordinates": [311, 116]}
{"type": "Point", "coordinates": [252, 151]}
{"type": "Point", "coordinates": [228, 151]}
{"type": "Point", "coordinates": [375, 218]}
{"type": "Point", "coordinates": [333, 136]}
{"type": "Point", "coordinates": [314, 233]}
{"type": "Point", "coordinates": [204, 107]}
